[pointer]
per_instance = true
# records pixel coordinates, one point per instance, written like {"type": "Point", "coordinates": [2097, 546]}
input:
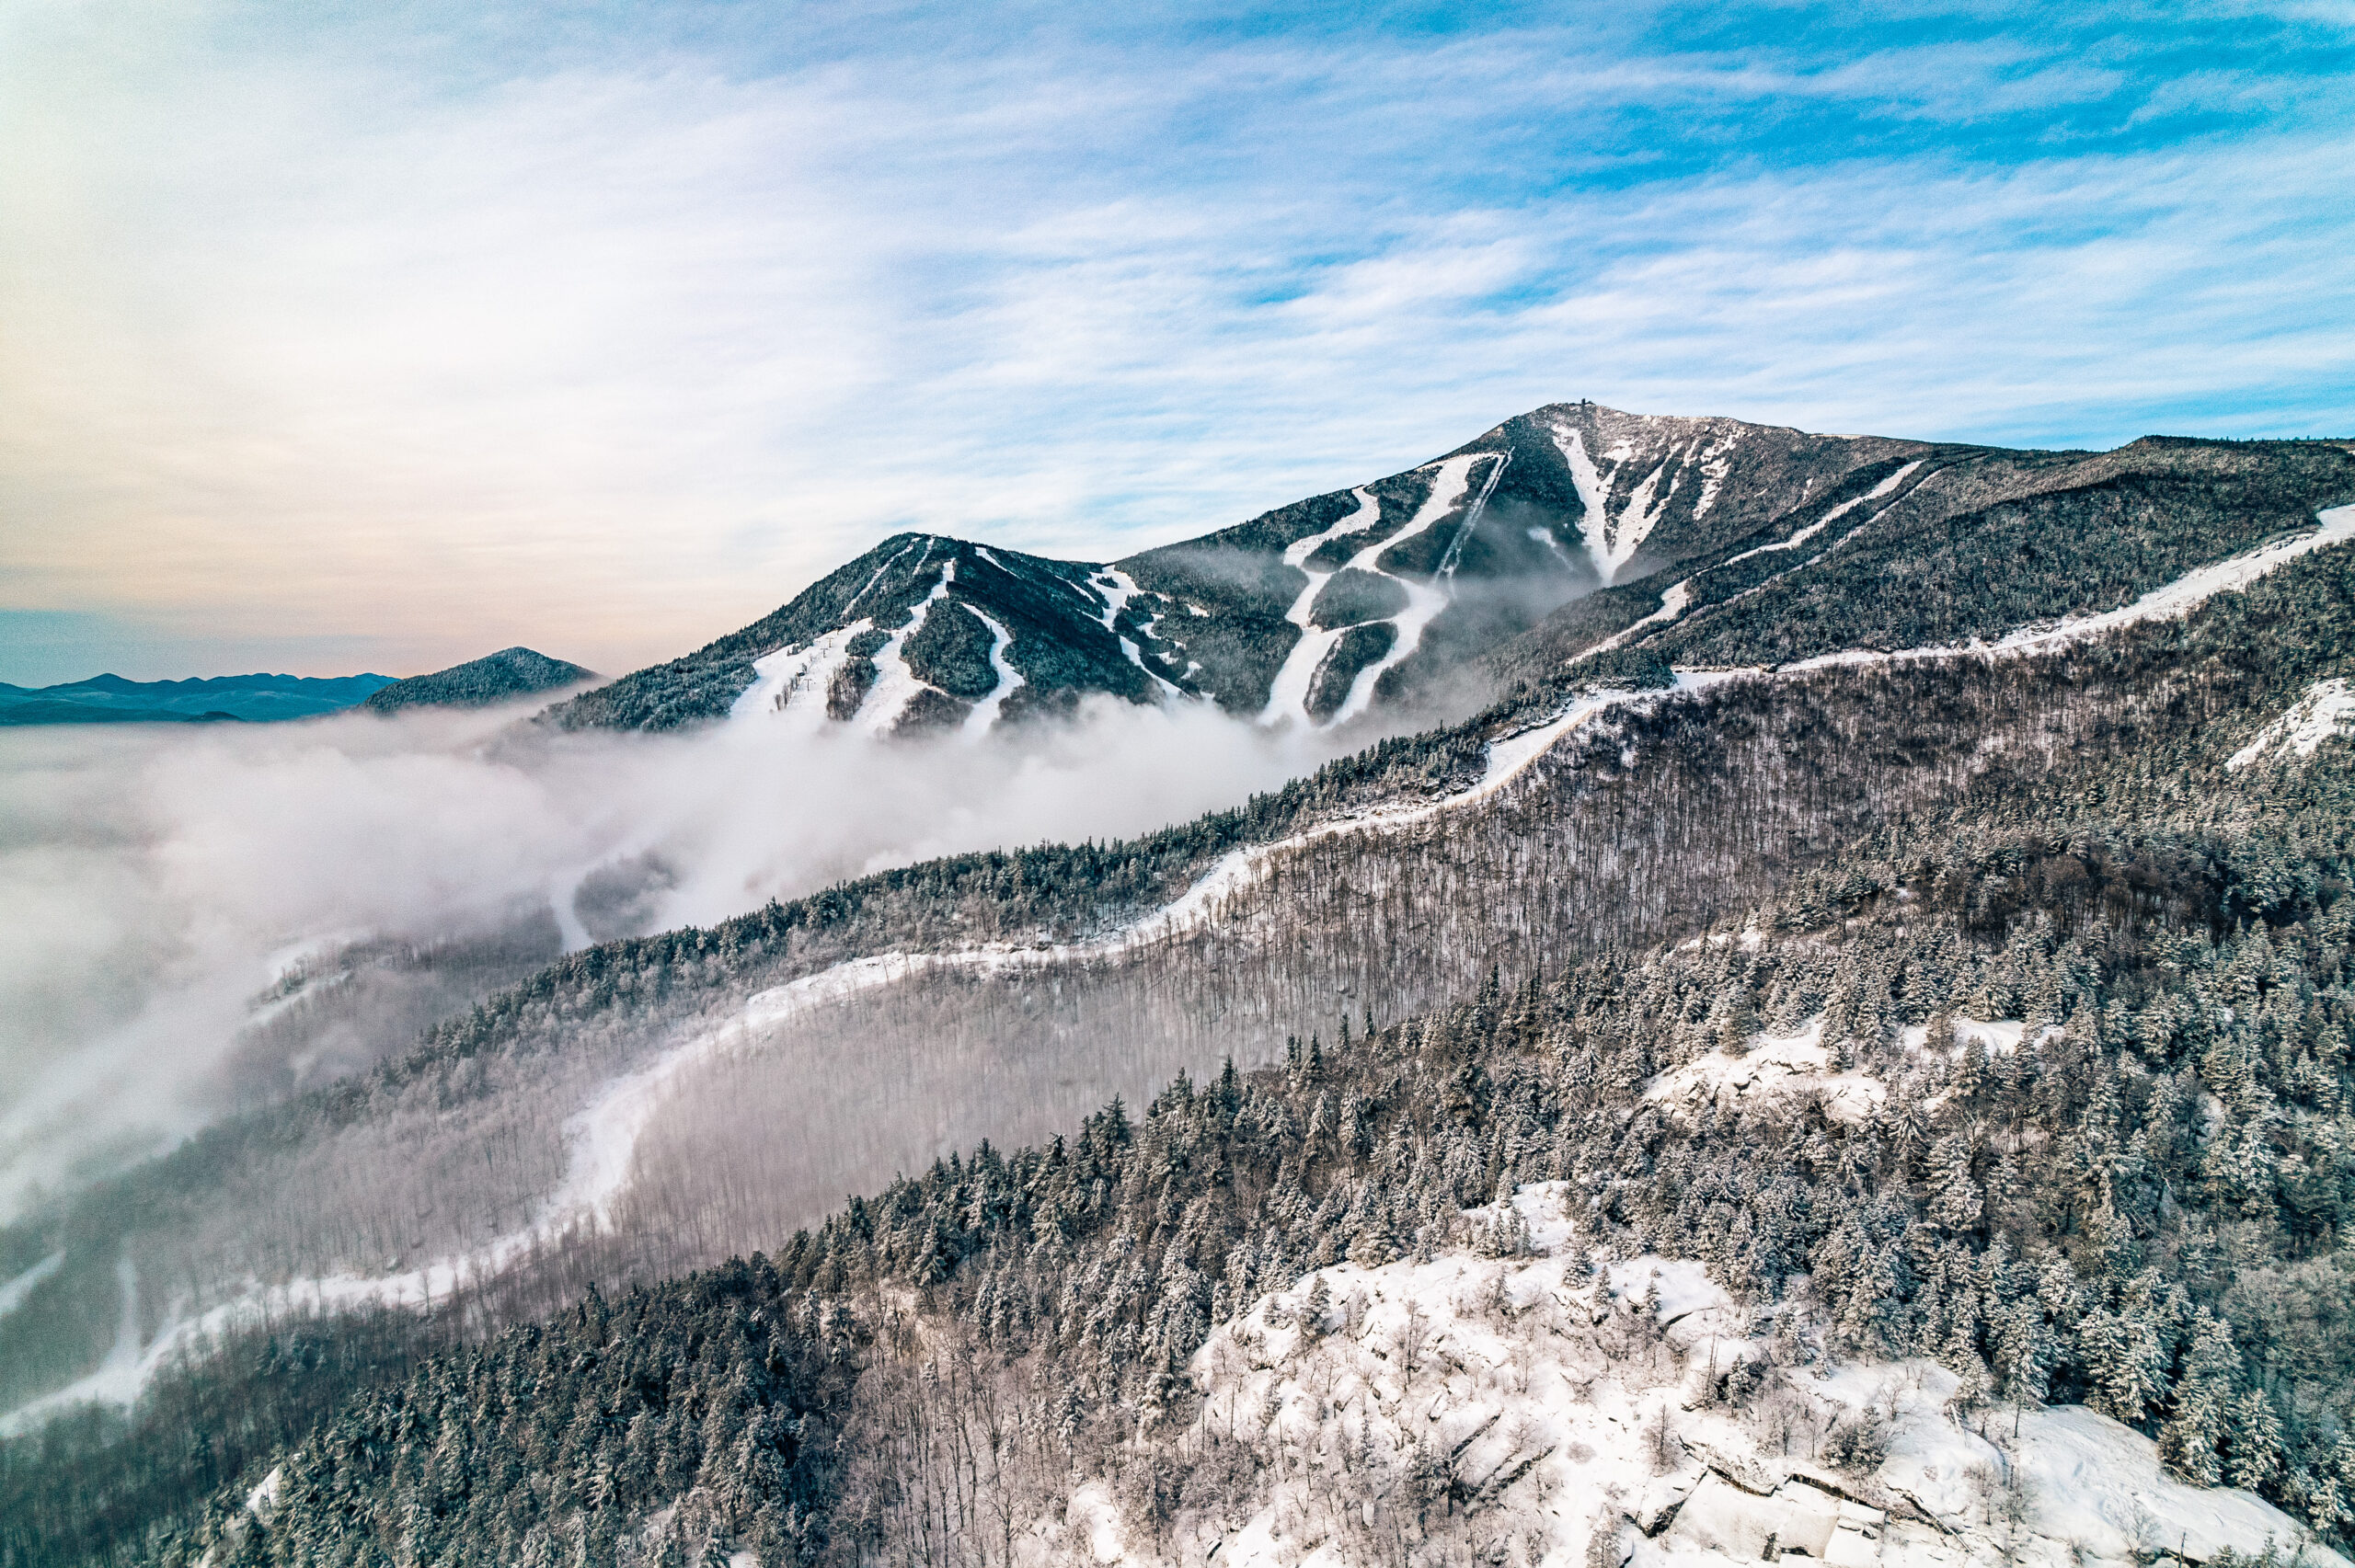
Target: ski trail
{"type": "Point", "coordinates": [1678, 596]}
{"type": "Point", "coordinates": [1717, 461]}
{"type": "Point", "coordinates": [1610, 546]}
{"type": "Point", "coordinates": [1770, 581]}
{"type": "Point", "coordinates": [1117, 589]}
{"type": "Point", "coordinates": [1835, 515]}
{"type": "Point", "coordinates": [1672, 601]}
{"type": "Point", "coordinates": [1472, 516]}
{"type": "Point", "coordinates": [1288, 693]}
{"type": "Point", "coordinates": [1594, 525]}
{"type": "Point", "coordinates": [791, 683]}
{"type": "Point", "coordinates": [1424, 600]}
{"type": "Point", "coordinates": [25, 1284]}
{"type": "Point", "coordinates": [1641, 515]}
{"type": "Point", "coordinates": [1009, 680]}
{"type": "Point", "coordinates": [120, 1375]}
{"type": "Point", "coordinates": [853, 603]}
{"type": "Point", "coordinates": [895, 685]}
{"type": "Point", "coordinates": [2171, 601]}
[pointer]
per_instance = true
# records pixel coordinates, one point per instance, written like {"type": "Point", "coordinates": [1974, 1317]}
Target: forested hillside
{"type": "Point", "coordinates": [495, 678]}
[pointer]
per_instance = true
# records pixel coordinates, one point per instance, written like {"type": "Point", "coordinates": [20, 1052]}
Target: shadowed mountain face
{"type": "Point", "coordinates": [1316, 613]}
{"type": "Point", "coordinates": [495, 678]}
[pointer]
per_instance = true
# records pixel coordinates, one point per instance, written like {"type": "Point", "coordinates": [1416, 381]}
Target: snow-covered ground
{"type": "Point", "coordinates": [1518, 1408]}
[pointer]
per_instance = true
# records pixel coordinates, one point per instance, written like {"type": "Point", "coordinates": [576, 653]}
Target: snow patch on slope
{"type": "Point", "coordinates": [1770, 1067]}
{"type": "Point", "coordinates": [2322, 713]}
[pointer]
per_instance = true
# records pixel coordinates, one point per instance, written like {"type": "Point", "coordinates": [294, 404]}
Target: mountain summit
{"type": "Point", "coordinates": [495, 678]}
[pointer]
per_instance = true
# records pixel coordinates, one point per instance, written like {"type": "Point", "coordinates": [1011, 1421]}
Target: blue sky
{"type": "Point", "coordinates": [337, 342]}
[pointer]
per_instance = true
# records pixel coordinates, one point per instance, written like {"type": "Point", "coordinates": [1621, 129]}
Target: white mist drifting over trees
{"type": "Point", "coordinates": [158, 883]}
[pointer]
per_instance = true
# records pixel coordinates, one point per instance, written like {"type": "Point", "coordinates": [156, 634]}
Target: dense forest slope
{"type": "Point", "coordinates": [1834, 882]}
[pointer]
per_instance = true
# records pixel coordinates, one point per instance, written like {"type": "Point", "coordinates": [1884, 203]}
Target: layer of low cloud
{"type": "Point", "coordinates": [156, 880]}
{"type": "Point", "coordinates": [450, 333]}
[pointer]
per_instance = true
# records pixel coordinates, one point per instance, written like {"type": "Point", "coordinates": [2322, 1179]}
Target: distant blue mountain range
{"type": "Point", "coordinates": [110, 698]}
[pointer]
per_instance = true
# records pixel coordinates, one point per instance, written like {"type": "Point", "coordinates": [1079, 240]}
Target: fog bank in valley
{"type": "Point", "coordinates": [184, 910]}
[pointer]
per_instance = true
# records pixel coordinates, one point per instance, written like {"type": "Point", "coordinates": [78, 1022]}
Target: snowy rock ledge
{"type": "Point", "coordinates": [1541, 1406]}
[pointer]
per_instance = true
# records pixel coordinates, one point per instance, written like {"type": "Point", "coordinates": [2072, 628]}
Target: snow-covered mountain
{"type": "Point", "coordinates": [1314, 613]}
{"type": "Point", "coordinates": [1561, 535]}
{"type": "Point", "coordinates": [1845, 1060]}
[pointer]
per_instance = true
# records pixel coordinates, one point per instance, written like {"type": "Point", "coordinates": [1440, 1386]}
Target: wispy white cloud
{"type": "Point", "coordinates": [608, 344]}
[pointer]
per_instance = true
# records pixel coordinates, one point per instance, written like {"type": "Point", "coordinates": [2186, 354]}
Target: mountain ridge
{"type": "Point", "coordinates": [1348, 599]}
{"type": "Point", "coordinates": [113, 699]}
{"type": "Point", "coordinates": [1425, 593]}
